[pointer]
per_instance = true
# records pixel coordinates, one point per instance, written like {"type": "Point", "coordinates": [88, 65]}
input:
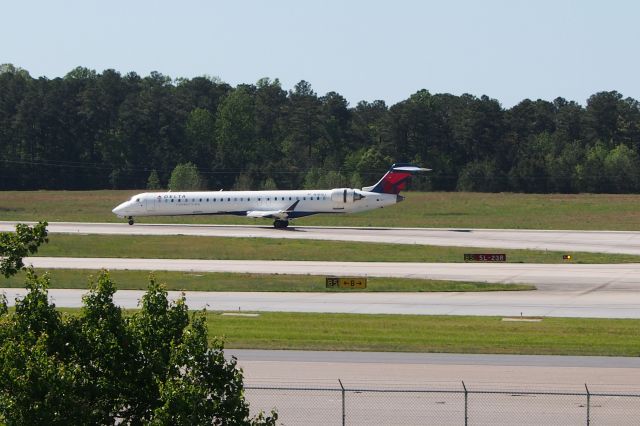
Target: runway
{"type": "Point", "coordinates": [556, 277]}
{"type": "Point", "coordinates": [614, 304]}
{"type": "Point", "coordinates": [624, 242]}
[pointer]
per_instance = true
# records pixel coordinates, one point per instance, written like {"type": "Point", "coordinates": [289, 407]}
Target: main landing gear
{"type": "Point", "coordinates": [280, 224]}
{"type": "Point", "coordinates": [131, 222]}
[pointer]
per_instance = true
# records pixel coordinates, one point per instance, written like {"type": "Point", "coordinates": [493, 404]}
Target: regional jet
{"type": "Point", "coordinates": [278, 205]}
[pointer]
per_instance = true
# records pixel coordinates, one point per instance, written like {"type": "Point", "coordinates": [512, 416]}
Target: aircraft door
{"type": "Point", "coordinates": [151, 204]}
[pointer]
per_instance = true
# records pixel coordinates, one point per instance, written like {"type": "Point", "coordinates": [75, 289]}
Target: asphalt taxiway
{"type": "Point", "coordinates": [424, 369]}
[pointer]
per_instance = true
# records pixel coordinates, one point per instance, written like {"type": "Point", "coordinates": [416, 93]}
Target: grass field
{"type": "Point", "coordinates": [407, 333]}
{"type": "Point", "coordinates": [188, 281]}
{"type": "Point", "coordinates": [420, 333]}
{"type": "Point", "coordinates": [189, 247]}
{"type": "Point", "coordinates": [437, 209]}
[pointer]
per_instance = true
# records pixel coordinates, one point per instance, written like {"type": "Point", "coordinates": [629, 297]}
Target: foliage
{"type": "Point", "coordinates": [185, 177]}
{"type": "Point", "coordinates": [102, 367]}
{"type": "Point", "coordinates": [154, 180]}
{"type": "Point", "coordinates": [15, 246]}
{"type": "Point", "coordinates": [243, 183]}
{"type": "Point", "coordinates": [479, 176]}
{"type": "Point", "coordinates": [93, 130]}
{"type": "Point", "coordinates": [622, 168]}
{"type": "Point", "coordinates": [269, 184]}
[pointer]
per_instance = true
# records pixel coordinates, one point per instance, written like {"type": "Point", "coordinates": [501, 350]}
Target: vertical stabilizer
{"type": "Point", "coordinates": [396, 179]}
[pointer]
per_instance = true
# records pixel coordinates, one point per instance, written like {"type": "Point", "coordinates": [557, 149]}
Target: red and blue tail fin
{"type": "Point", "coordinates": [396, 179]}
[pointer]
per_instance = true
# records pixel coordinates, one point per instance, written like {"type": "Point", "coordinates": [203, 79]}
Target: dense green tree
{"type": "Point", "coordinates": [235, 131]}
{"type": "Point", "coordinates": [102, 367]}
{"type": "Point", "coordinates": [201, 137]}
{"type": "Point", "coordinates": [562, 169]}
{"type": "Point", "coordinates": [185, 177]}
{"type": "Point", "coordinates": [602, 113]}
{"type": "Point", "coordinates": [622, 168]}
{"type": "Point", "coordinates": [530, 173]}
{"type": "Point", "coordinates": [16, 245]}
{"type": "Point", "coordinates": [154, 180]}
{"type": "Point", "coordinates": [480, 176]}
{"type": "Point", "coordinates": [590, 174]}
{"type": "Point", "coordinates": [269, 184]}
{"type": "Point", "coordinates": [302, 118]}
{"type": "Point", "coordinates": [244, 182]}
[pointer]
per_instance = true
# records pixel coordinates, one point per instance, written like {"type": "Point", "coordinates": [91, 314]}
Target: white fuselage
{"type": "Point", "coordinates": [254, 203]}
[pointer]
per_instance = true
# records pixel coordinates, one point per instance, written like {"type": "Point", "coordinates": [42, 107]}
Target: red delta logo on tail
{"type": "Point", "coordinates": [396, 179]}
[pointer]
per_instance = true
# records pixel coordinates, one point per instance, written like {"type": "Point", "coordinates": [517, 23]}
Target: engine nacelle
{"type": "Point", "coordinates": [345, 195]}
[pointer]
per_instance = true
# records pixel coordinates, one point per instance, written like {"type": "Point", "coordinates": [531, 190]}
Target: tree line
{"type": "Point", "coordinates": [90, 130]}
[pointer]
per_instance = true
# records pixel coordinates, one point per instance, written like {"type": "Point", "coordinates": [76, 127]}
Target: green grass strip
{"type": "Point", "coordinates": [188, 281]}
{"type": "Point", "coordinates": [409, 333]}
{"type": "Point", "coordinates": [421, 334]}
{"type": "Point", "coordinates": [227, 248]}
{"type": "Point", "coordinates": [420, 209]}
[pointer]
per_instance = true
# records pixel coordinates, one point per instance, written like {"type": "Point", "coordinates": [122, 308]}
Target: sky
{"type": "Point", "coordinates": [509, 50]}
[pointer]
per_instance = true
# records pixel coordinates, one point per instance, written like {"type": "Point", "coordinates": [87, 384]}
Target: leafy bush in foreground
{"type": "Point", "coordinates": [102, 367]}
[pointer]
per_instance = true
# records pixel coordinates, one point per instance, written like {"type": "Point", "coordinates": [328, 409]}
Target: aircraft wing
{"type": "Point", "coordinates": [273, 214]}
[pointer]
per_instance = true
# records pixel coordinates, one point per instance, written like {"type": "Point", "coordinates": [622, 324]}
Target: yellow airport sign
{"type": "Point", "coordinates": [346, 282]}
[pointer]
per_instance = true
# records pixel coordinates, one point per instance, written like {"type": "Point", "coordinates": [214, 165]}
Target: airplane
{"type": "Point", "coordinates": [281, 206]}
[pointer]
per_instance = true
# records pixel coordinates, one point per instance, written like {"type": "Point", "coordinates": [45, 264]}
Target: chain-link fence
{"type": "Point", "coordinates": [449, 404]}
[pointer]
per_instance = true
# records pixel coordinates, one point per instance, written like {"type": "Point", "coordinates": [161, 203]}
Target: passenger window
{"type": "Point", "coordinates": [200, 199]}
{"type": "Point", "coordinates": [178, 199]}
{"type": "Point", "coordinates": [304, 198]}
{"type": "Point", "coordinates": [207, 200]}
{"type": "Point", "coordinates": [172, 200]}
{"type": "Point", "coordinates": [229, 199]}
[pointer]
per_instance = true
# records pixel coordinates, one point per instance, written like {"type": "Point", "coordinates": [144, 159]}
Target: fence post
{"type": "Point", "coordinates": [466, 404]}
{"type": "Point", "coordinates": [588, 405]}
{"type": "Point", "coordinates": [344, 413]}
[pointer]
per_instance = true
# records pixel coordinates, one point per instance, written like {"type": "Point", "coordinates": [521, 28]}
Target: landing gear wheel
{"type": "Point", "coordinates": [280, 224]}
{"type": "Point", "coordinates": [130, 220]}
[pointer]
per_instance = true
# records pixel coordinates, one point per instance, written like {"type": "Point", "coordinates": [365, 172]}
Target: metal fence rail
{"type": "Point", "coordinates": [443, 405]}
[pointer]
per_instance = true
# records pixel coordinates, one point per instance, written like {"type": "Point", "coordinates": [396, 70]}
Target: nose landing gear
{"type": "Point", "coordinates": [131, 222]}
{"type": "Point", "coordinates": [280, 224]}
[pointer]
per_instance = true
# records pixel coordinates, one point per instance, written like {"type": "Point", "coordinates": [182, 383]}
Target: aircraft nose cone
{"type": "Point", "coordinates": [119, 210]}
